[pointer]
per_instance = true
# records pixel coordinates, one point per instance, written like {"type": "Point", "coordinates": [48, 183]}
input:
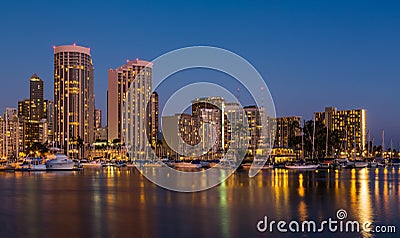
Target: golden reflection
{"type": "Point", "coordinates": [336, 180]}
{"type": "Point", "coordinates": [353, 190]}
{"type": "Point", "coordinates": [301, 187]}
{"type": "Point", "coordinates": [303, 211]}
{"type": "Point", "coordinates": [224, 212]}
{"type": "Point", "coordinates": [364, 206]}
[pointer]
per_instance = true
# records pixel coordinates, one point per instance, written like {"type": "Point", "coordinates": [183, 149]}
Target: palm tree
{"type": "Point", "coordinates": [80, 144]}
{"type": "Point", "coordinates": [158, 148]}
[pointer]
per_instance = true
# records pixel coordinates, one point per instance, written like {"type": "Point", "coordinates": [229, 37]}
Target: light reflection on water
{"type": "Point", "coordinates": [122, 202]}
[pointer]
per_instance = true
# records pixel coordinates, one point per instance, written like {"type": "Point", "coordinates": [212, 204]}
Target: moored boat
{"type": "Point", "coordinates": [59, 161]}
{"type": "Point", "coordinates": [32, 164]}
{"type": "Point", "coordinates": [261, 164]}
{"type": "Point", "coordinates": [225, 164]}
{"type": "Point", "coordinates": [302, 166]}
{"type": "Point", "coordinates": [357, 164]}
{"type": "Point", "coordinates": [187, 165]}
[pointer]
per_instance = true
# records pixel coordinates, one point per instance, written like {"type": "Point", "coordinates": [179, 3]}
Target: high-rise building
{"type": "Point", "coordinates": [11, 134]}
{"type": "Point", "coordinates": [237, 133]}
{"type": "Point", "coordinates": [119, 80]}
{"type": "Point", "coordinates": [287, 128]}
{"type": "Point", "coordinates": [97, 118]}
{"type": "Point", "coordinates": [73, 98]}
{"type": "Point", "coordinates": [254, 123]}
{"type": "Point", "coordinates": [49, 115]}
{"type": "Point", "coordinates": [36, 98]}
{"type": "Point", "coordinates": [32, 114]}
{"type": "Point", "coordinates": [350, 124]}
{"type": "Point", "coordinates": [24, 109]}
{"type": "Point", "coordinates": [179, 134]}
{"type": "Point", "coordinates": [129, 91]}
{"type": "Point", "coordinates": [152, 121]}
{"type": "Point", "coordinates": [211, 110]}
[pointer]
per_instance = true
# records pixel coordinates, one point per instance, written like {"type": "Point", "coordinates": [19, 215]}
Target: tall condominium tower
{"type": "Point", "coordinates": [152, 120]}
{"type": "Point", "coordinates": [11, 136]}
{"type": "Point", "coordinates": [36, 98]}
{"type": "Point", "coordinates": [129, 91]}
{"type": "Point", "coordinates": [73, 99]}
{"type": "Point", "coordinates": [119, 81]}
{"type": "Point", "coordinates": [211, 110]}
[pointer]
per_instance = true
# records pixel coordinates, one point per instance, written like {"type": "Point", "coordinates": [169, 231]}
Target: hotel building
{"type": "Point", "coordinates": [73, 98]}
{"type": "Point", "coordinates": [211, 110]}
{"type": "Point", "coordinates": [49, 115]}
{"type": "Point", "coordinates": [350, 124]}
{"type": "Point", "coordinates": [152, 119]}
{"type": "Point", "coordinates": [11, 134]}
{"type": "Point", "coordinates": [119, 81]}
{"type": "Point", "coordinates": [286, 129]}
{"type": "Point", "coordinates": [32, 114]}
{"type": "Point", "coordinates": [129, 92]}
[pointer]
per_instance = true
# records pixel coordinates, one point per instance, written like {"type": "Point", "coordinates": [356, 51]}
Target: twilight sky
{"type": "Point", "coordinates": [312, 54]}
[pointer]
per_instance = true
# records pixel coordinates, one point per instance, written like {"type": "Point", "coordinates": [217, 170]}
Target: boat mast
{"type": "Point", "coordinates": [383, 143]}
{"type": "Point", "coordinates": [302, 139]}
{"type": "Point", "coordinates": [391, 147]}
{"type": "Point", "coordinates": [326, 141]}
{"type": "Point", "coordinates": [355, 146]}
{"type": "Point", "coordinates": [369, 144]}
{"type": "Point", "coordinates": [313, 140]}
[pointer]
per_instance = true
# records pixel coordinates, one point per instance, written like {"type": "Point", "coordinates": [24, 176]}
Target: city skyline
{"type": "Point", "coordinates": [350, 51]}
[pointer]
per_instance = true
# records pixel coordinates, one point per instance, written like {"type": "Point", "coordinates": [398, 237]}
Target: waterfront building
{"type": "Point", "coordinates": [287, 128]}
{"type": "Point", "coordinates": [119, 81]}
{"type": "Point", "coordinates": [234, 112]}
{"type": "Point", "coordinates": [254, 123]}
{"type": "Point", "coordinates": [11, 134]}
{"type": "Point", "coordinates": [49, 116]}
{"type": "Point", "coordinates": [32, 114]}
{"type": "Point", "coordinates": [36, 98]}
{"type": "Point", "coordinates": [350, 124]}
{"type": "Point", "coordinates": [73, 99]}
{"type": "Point", "coordinates": [129, 91]}
{"type": "Point", "coordinates": [211, 110]}
{"type": "Point", "coordinates": [152, 120]}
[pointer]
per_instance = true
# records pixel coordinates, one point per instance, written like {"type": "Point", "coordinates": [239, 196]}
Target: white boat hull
{"type": "Point", "coordinates": [185, 165]}
{"type": "Point", "coordinates": [40, 167]}
{"type": "Point", "coordinates": [302, 166]}
{"type": "Point", "coordinates": [60, 166]}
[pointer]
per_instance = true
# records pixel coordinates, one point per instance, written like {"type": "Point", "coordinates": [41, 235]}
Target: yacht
{"type": "Point", "coordinates": [32, 164]}
{"type": "Point", "coordinates": [226, 164]}
{"type": "Point", "coordinates": [302, 166]}
{"type": "Point", "coordinates": [154, 164]}
{"type": "Point", "coordinates": [261, 164]}
{"type": "Point", "coordinates": [92, 164]}
{"type": "Point", "coordinates": [59, 161]}
{"type": "Point", "coordinates": [358, 164]}
{"type": "Point", "coordinates": [187, 165]}
{"type": "Point", "coordinates": [372, 164]}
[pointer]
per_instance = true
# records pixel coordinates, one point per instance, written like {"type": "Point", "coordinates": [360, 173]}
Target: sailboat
{"type": "Point", "coordinates": [356, 163]}
{"type": "Point", "coordinates": [302, 165]}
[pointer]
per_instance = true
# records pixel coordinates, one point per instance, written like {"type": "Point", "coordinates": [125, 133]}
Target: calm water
{"type": "Point", "coordinates": [114, 202]}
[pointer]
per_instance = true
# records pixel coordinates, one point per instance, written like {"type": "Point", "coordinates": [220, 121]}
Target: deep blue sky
{"type": "Point", "coordinates": [312, 54]}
